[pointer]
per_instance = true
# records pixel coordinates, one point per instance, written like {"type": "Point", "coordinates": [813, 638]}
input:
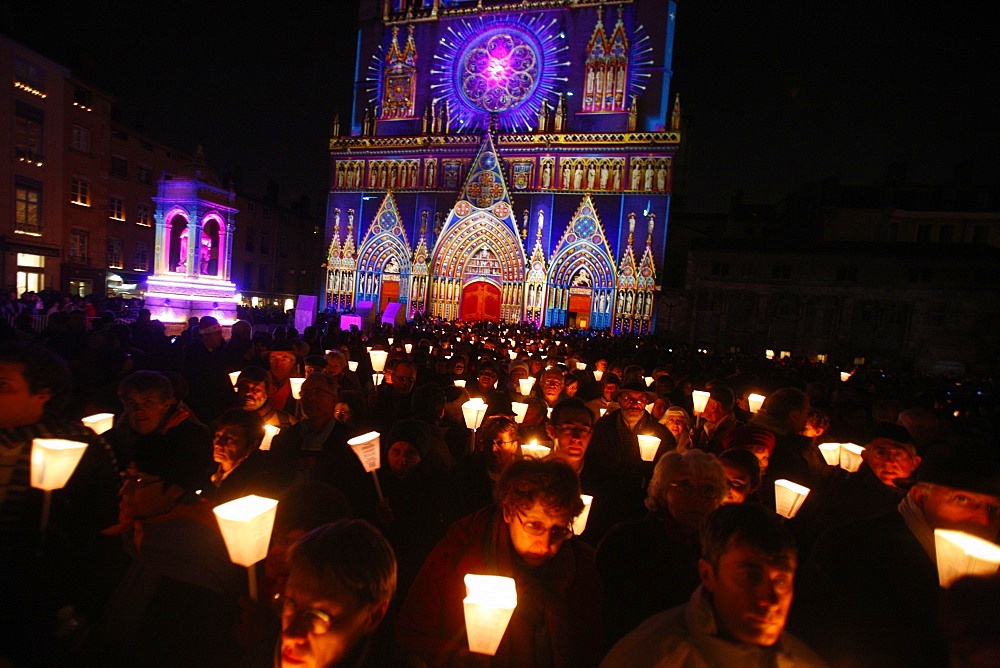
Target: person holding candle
{"type": "Point", "coordinates": [615, 469]}
{"type": "Point", "coordinates": [606, 402]}
{"type": "Point", "coordinates": [253, 387]}
{"type": "Point", "coordinates": [391, 402]}
{"type": "Point", "coordinates": [527, 535]}
{"type": "Point", "coordinates": [243, 468]}
{"type": "Point", "coordinates": [678, 423]}
{"type": "Point", "coordinates": [178, 598]}
{"type": "Point", "coordinates": [717, 420]}
{"type": "Point", "coordinates": [42, 571]}
{"type": "Point", "coordinates": [206, 373]}
{"type": "Point", "coordinates": [737, 615]}
{"type": "Point", "coordinates": [743, 475]}
{"type": "Point", "coordinates": [282, 364]}
{"type": "Point", "coordinates": [651, 564]}
{"type": "Point", "coordinates": [876, 581]}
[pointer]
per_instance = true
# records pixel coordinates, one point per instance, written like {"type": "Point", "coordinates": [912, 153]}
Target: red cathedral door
{"type": "Point", "coordinates": [390, 293]}
{"type": "Point", "coordinates": [481, 301]}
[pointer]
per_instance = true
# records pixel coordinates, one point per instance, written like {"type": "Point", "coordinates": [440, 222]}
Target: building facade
{"type": "Point", "coordinates": [498, 159]}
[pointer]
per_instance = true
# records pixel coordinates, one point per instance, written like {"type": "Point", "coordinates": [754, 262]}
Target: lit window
{"type": "Point", "coordinates": [115, 253]}
{"type": "Point", "coordinates": [116, 209]}
{"type": "Point", "coordinates": [29, 77]}
{"type": "Point", "coordinates": [28, 122]}
{"type": "Point", "coordinates": [27, 210]}
{"type": "Point", "coordinates": [79, 192]}
{"type": "Point", "coordinates": [142, 216]}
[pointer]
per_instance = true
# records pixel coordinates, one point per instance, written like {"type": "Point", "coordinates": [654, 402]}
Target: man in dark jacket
{"type": "Point", "coordinates": [868, 595]}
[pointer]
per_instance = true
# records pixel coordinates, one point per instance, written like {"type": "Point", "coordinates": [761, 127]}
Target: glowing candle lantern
{"type": "Point", "coordinates": [369, 349]}
{"type": "Point", "coordinates": [367, 448]}
{"type": "Point", "coordinates": [649, 380]}
{"type": "Point", "coordinates": [598, 374]}
{"type": "Point", "coordinates": [769, 354]}
{"type": "Point", "coordinates": [603, 411]}
{"type": "Point", "coordinates": [474, 411]}
{"type": "Point", "coordinates": [296, 384]}
{"type": "Point", "coordinates": [647, 446]}
{"type": "Point", "coordinates": [512, 354]}
{"type": "Point", "coordinates": [53, 461]}
{"type": "Point", "coordinates": [549, 412]}
{"type": "Point", "coordinates": [788, 497]}
{"type": "Point", "coordinates": [270, 431]}
{"type": "Point", "coordinates": [845, 376]}
{"type": "Point", "coordinates": [352, 365]}
{"type": "Point", "coordinates": [755, 401]}
{"type": "Point", "coordinates": [850, 457]}
{"type": "Point", "coordinates": [390, 340]}
{"type": "Point", "coordinates": [489, 604]}
{"type": "Point", "coordinates": [535, 450]}
{"type": "Point", "coordinates": [246, 525]}
{"type": "Point", "coordinates": [581, 366]}
{"type": "Point", "coordinates": [377, 378]}
{"type": "Point", "coordinates": [580, 523]}
{"type": "Point", "coordinates": [831, 453]}
{"type": "Point", "coordinates": [100, 422]}
{"type": "Point", "coordinates": [700, 400]}
{"type": "Point", "coordinates": [525, 385]}
{"type": "Point", "coordinates": [520, 409]}
{"type": "Point", "coordinates": [378, 360]}
{"type": "Point", "coordinates": [459, 382]}
{"type": "Point", "coordinates": [649, 408]}
{"type": "Point", "coordinates": [408, 347]}
{"type": "Point", "coordinates": [233, 377]}
{"type": "Point", "coordinates": [959, 553]}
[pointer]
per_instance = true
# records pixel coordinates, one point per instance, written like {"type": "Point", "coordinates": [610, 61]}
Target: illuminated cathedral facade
{"type": "Point", "coordinates": [506, 161]}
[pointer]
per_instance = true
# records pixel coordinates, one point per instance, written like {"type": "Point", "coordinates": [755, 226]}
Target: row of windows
{"type": "Point", "coordinates": [265, 242]}
{"type": "Point", "coordinates": [946, 234]}
{"type": "Point", "coordinates": [140, 256]}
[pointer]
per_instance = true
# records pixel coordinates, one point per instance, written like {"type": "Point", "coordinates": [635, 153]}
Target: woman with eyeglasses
{"type": "Point", "coordinates": [650, 565]}
{"type": "Point", "coordinates": [527, 535]}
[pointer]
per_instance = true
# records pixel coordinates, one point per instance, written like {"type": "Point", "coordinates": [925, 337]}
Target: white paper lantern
{"type": "Point", "coordinates": [296, 384]}
{"type": "Point", "coordinates": [525, 385]}
{"type": "Point", "coordinates": [100, 422]}
{"type": "Point", "coordinates": [520, 410]}
{"type": "Point", "coordinates": [850, 457]}
{"type": "Point", "coordinates": [788, 497]}
{"type": "Point", "coordinates": [755, 401]}
{"type": "Point", "coordinates": [580, 523]}
{"type": "Point", "coordinates": [270, 431]}
{"type": "Point", "coordinates": [474, 411]}
{"type": "Point", "coordinates": [352, 365]}
{"type": "Point", "coordinates": [367, 448]}
{"type": "Point", "coordinates": [700, 399]}
{"type": "Point", "coordinates": [246, 525]}
{"type": "Point", "coordinates": [459, 382]}
{"type": "Point", "coordinates": [959, 553]}
{"type": "Point", "coordinates": [648, 446]}
{"type": "Point", "coordinates": [378, 360]}
{"type": "Point", "coordinates": [535, 450]}
{"type": "Point", "coordinates": [53, 461]}
{"type": "Point", "coordinates": [598, 374]}
{"type": "Point", "coordinates": [234, 376]}
{"type": "Point", "coordinates": [489, 604]}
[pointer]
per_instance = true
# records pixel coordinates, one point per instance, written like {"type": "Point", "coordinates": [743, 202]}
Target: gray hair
{"type": "Point", "coordinates": [673, 465]}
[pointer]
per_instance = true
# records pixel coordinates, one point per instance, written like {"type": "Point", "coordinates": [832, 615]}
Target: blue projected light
{"type": "Point", "coordinates": [506, 67]}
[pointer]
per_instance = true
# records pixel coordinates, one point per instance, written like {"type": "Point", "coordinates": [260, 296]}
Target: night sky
{"type": "Point", "coordinates": [774, 94]}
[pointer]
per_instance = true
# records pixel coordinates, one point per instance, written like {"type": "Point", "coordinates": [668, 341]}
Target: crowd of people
{"type": "Point", "coordinates": [682, 558]}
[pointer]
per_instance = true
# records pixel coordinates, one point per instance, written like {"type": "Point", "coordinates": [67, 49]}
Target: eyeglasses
{"type": "Point", "coordinates": [691, 488]}
{"type": "Point", "coordinates": [319, 621]}
{"type": "Point", "coordinates": [631, 400]}
{"type": "Point", "coordinates": [677, 421]}
{"type": "Point", "coordinates": [138, 481]}
{"type": "Point", "coordinates": [536, 528]}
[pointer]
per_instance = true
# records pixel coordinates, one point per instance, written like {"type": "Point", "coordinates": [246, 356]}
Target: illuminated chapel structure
{"type": "Point", "coordinates": [506, 161]}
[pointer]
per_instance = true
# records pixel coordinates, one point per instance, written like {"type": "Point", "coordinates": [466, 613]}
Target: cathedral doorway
{"type": "Point", "coordinates": [580, 303]}
{"type": "Point", "coordinates": [390, 292]}
{"type": "Point", "coordinates": [481, 300]}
